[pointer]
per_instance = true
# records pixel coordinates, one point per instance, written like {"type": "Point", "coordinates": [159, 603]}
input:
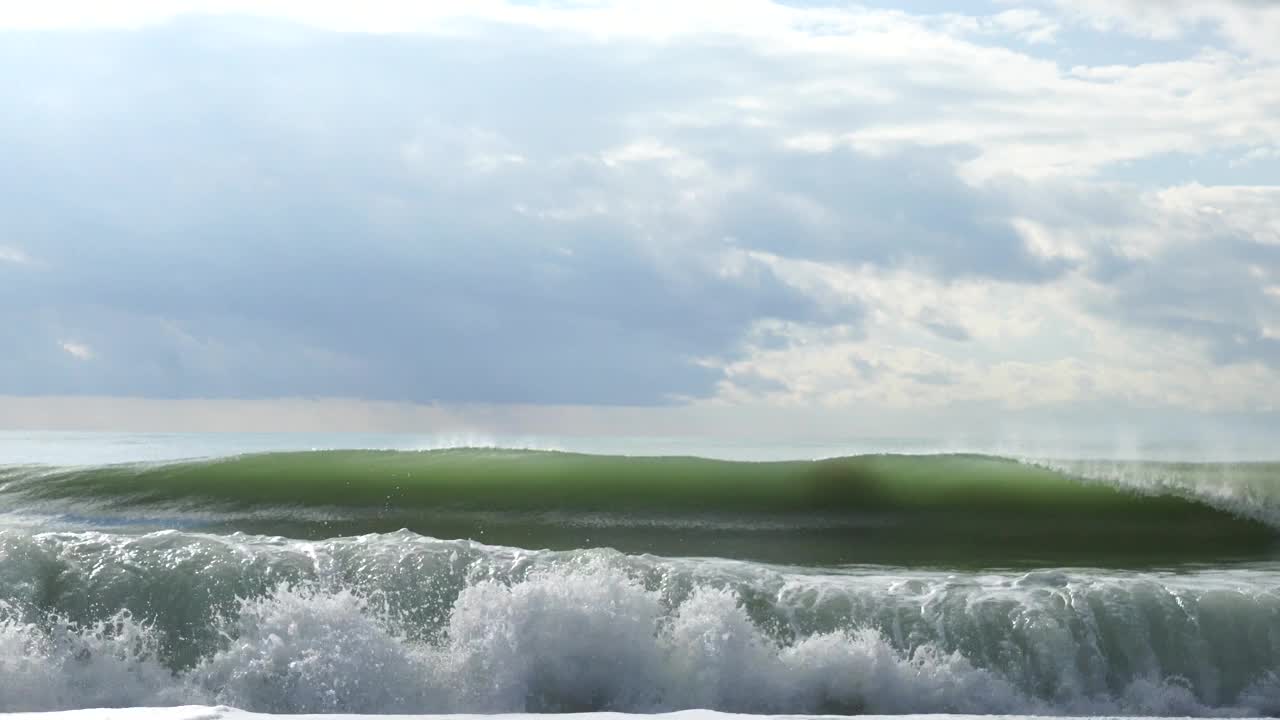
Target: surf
{"type": "Point", "coordinates": [406, 623]}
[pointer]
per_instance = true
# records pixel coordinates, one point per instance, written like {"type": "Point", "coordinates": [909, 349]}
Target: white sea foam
{"type": "Point", "coordinates": [588, 631]}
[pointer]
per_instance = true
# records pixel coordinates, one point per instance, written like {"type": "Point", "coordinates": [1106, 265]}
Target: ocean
{"type": "Point", "coordinates": [349, 574]}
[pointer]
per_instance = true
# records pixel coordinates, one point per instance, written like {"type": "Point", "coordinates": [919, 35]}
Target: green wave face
{"type": "Point", "coordinates": [871, 508]}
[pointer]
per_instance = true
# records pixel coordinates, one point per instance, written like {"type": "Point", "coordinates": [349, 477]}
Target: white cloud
{"type": "Point", "coordinates": [1080, 340]}
{"type": "Point", "coordinates": [713, 169]}
{"type": "Point", "coordinates": [1250, 25]}
{"type": "Point", "coordinates": [79, 351]}
{"type": "Point", "coordinates": [1028, 24]}
{"type": "Point", "coordinates": [13, 255]}
{"type": "Point", "coordinates": [1026, 115]}
{"type": "Point", "coordinates": [1051, 244]}
{"type": "Point", "coordinates": [1259, 154]}
{"type": "Point", "coordinates": [1163, 221]}
{"type": "Point", "coordinates": [1067, 358]}
{"type": "Point", "coordinates": [1078, 121]}
{"type": "Point", "coordinates": [625, 18]}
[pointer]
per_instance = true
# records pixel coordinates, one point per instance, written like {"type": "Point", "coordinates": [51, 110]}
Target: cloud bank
{"type": "Point", "coordinates": [1065, 207]}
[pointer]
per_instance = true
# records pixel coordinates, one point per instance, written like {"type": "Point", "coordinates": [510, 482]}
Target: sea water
{"type": "Point", "coordinates": [398, 574]}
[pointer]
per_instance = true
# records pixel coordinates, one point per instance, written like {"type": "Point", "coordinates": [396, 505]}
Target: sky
{"type": "Point", "coordinates": [637, 216]}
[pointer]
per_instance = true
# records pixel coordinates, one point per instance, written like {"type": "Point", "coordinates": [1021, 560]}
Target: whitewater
{"type": "Point", "coordinates": [215, 577]}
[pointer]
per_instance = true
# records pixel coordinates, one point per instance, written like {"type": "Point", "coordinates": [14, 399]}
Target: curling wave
{"type": "Point", "coordinates": [902, 509]}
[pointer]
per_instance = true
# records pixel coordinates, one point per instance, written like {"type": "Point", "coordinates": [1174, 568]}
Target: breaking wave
{"type": "Point", "coordinates": [405, 623]}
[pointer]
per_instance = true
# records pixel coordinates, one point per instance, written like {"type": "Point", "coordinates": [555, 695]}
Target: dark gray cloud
{"type": "Point", "coordinates": [907, 207]}
{"type": "Point", "coordinates": [244, 208]}
{"type": "Point", "coordinates": [219, 214]}
{"type": "Point", "coordinates": [1205, 291]}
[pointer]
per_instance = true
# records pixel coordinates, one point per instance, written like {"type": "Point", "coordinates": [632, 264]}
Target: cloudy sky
{"type": "Point", "coordinates": [879, 217]}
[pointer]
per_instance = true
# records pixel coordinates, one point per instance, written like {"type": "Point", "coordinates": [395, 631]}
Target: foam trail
{"type": "Point", "coordinates": [403, 623]}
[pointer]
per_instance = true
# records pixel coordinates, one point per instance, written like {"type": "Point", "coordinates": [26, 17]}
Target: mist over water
{"type": "Point", "coordinates": [65, 448]}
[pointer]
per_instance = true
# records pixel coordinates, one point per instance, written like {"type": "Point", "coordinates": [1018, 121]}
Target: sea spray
{"type": "Point", "coordinates": [407, 623]}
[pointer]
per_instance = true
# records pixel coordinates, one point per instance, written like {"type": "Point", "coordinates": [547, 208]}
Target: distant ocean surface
{"type": "Point", "coordinates": [398, 574]}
